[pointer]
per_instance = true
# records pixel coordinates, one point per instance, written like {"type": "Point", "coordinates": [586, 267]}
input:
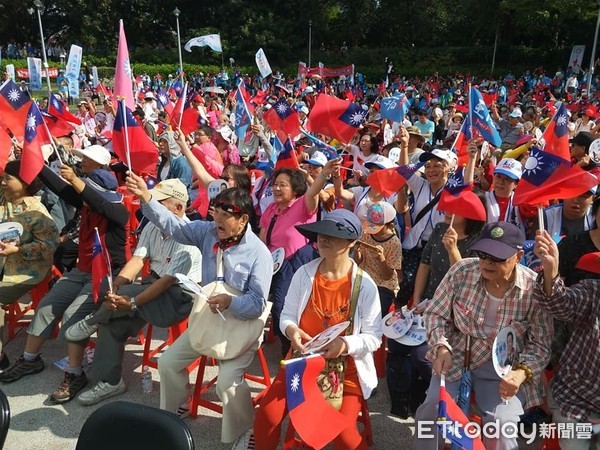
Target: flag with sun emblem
{"type": "Point", "coordinates": [56, 108]}
{"type": "Point", "coordinates": [548, 177]}
{"type": "Point", "coordinates": [14, 105]}
{"type": "Point", "coordinates": [123, 74]}
{"type": "Point", "coordinates": [458, 198]}
{"type": "Point", "coordinates": [389, 181]}
{"type": "Point", "coordinates": [36, 135]}
{"type": "Point", "coordinates": [281, 117]}
{"type": "Point", "coordinates": [315, 420]}
{"type": "Point", "coordinates": [556, 135]}
{"type": "Point", "coordinates": [336, 118]}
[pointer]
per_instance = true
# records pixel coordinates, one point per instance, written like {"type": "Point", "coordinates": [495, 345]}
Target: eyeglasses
{"type": "Point", "coordinates": [484, 256]}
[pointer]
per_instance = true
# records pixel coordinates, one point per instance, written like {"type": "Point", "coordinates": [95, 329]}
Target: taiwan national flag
{"type": "Point", "coordinates": [99, 266]}
{"type": "Point", "coordinates": [35, 135]}
{"type": "Point", "coordinates": [394, 108]}
{"type": "Point", "coordinates": [5, 147]}
{"type": "Point", "coordinates": [184, 116]}
{"type": "Point", "coordinates": [548, 177]}
{"type": "Point", "coordinates": [458, 198]}
{"type": "Point", "coordinates": [314, 419]}
{"type": "Point", "coordinates": [449, 415]}
{"type": "Point", "coordinates": [287, 157]}
{"type": "Point", "coordinates": [389, 181]}
{"type": "Point", "coordinates": [163, 99]}
{"type": "Point", "coordinates": [57, 109]}
{"type": "Point", "coordinates": [481, 119]}
{"type": "Point", "coordinates": [14, 106]}
{"type": "Point", "coordinates": [336, 118]}
{"type": "Point", "coordinates": [57, 126]}
{"type": "Point", "coordinates": [556, 135]}
{"type": "Point", "coordinates": [123, 73]}
{"type": "Point", "coordinates": [462, 142]}
{"type": "Point", "coordinates": [260, 97]}
{"type": "Point", "coordinates": [281, 117]}
{"type": "Point", "coordinates": [243, 112]}
{"type": "Point", "coordinates": [131, 143]}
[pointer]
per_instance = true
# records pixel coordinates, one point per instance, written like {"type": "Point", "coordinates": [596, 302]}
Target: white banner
{"type": "Point", "coordinates": [95, 77]}
{"type": "Point", "coordinates": [262, 63]}
{"type": "Point", "coordinates": [576, 58]}
{"type": "Point", "coordinates": [34, 65]}
{"type": "Point", "coordinates": [10, 71]}
{"type": "Point", "coordinates": [211, 40]}
{"type": "Point", "coordinates": [73, 68]}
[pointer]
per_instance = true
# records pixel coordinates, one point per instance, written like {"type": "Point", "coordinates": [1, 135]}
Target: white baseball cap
{"type": "Point", "coordinates": [381, 162]}
{"type": "Point", "coordinates": [443, 154]}
{"type": "Point", "coordinates": [96, 153]}
{"type": "Point", "coordinates": [509, 167]}
{"type": "Point", "coordinates": [317, 159]}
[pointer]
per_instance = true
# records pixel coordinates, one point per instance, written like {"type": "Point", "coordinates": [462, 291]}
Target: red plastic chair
{"type": "Point", "coordinates": [16, 312]}
{"type": "Point", "coordinates": [292, 441]}
{"type": "Point", "coordinates": [148, 356]}
{"type": "Point", "coordinates": [201, 387]}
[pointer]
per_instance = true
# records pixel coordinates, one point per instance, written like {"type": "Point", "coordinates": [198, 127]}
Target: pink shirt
{"type": "Point", "coordinates": [284, 234]}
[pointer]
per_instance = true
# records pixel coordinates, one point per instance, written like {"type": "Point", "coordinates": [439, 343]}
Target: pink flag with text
{"type": "Point", "coordinates": [123, 84]}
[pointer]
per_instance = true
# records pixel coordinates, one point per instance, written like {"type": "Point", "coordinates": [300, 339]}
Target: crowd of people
{"type": "Point", "coordinates": [351, 252]}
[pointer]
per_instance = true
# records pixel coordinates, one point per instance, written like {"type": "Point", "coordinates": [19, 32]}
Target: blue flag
{"type": "Point", "coordinates": [394, 108]}
{"type": "Point", "coordinates": [481, 118]}
{"type": "Point", "coordinates": [242, 112]}
{"type": "Point", "coordinates": [328, 150]}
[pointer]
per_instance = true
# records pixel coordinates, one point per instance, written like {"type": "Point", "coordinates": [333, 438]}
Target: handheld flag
{"type": "Point", "coordinates": [211, 40]}
{"type": "Point", "coordinates": [263, 64]}
{"type": "Point", "coordinates": [314, 419]}
{"type": "Point", "coordinates": [556, 134]}
{"type": "Point", "coordinates": [163, 99]}
{"type": "Point", "coordinates": [35, 135]}
{"type": "Point", "coordinates": [57, 126]}
{"type": "Point", "coordinates": [462, 142]}
{"type": "Point", "coordinates": [14, 107]}
{"type": "Point", "coordinates": [184, 116]}
{"type": "Point", "coordinates": [57, 109]}
{"type": "Point", "coordinates": [328, 150]}
{"type": "Point", "coordinates": [5, 146]}
{"type": "Point", "coordinates": [449, 415]}
{"type": "Point", "coordinates": [287, 156]}
{"type": "Point", "coordinates": [131, 143]}
{"type": "Point", "coordinates": [394, 108]}
{"type": "Point", "coordinates": [389, 181]}
{"type": "Point", "coordinates": [481, 118]}
{"type": "Point", "coordinates": [459, 199]}
{"type": "Point", "coordinates": [243, 114]}
{"type": "Point", "coordinates": [547, 177]}
{"type": "Point", "coordinates": [281, 117]}
{"type": "Point", "coordinates": [336, 118]}
{"type": "Point", "coordinates": [123, 74]}
{"type": "Point", "coordinates": [99, 266]}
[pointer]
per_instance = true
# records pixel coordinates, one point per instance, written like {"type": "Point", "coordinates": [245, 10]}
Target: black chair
{"type": "Point", "coordinates": [4, 417]}
{"type": "Point", "coordinates": [124, 426]}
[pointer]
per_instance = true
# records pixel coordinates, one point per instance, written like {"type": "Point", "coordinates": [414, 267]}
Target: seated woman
{"type": "Point", "coordinates": [26, 263]}
{"type": "Point", "coordinates": [248, 267]}
{"type": "Point", "coordinates": [319, 297]}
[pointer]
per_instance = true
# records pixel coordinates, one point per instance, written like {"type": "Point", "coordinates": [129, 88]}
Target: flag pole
{"type": "Point", "coordinates": [184, 96]}
{"type": "Point", "coordinates": [124, 114]}
{"type": "Point", "coordinates": [470, 111]}
{"type": "Point", "coordinates": [540, 212]}
{"type": "Point", "coordinates": [451, 221]}
{"type": "Point", "coordinates": [107, 260]}
{"type": "Point", "coordinates": [54, 147]}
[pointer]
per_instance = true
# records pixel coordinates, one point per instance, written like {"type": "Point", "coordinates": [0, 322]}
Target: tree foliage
{"type": "Point", "coordinates": [282, 28]}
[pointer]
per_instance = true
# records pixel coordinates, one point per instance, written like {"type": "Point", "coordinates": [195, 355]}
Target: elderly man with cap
{"type": "Point", "coordinates": [477, 298]}
{"type": "Point", "coordinates": [71, 298]}
{"type": "Point", "coordinates": [510, 130]}
{"type": "Point", "coordinates": [414, 144]}
{"type": "Point", "coordinates": [158, 300]}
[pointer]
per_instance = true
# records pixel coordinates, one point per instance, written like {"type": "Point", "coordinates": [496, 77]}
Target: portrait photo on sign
{"type": "Point", "coordinates": [505, 351]}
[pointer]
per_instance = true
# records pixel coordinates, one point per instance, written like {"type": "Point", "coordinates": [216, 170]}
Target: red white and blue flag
{"type": "Point", "coordinates": [452, 422]}
{"type": "Point", "coordinates": [481, 119]}
{"type": "Point", "coordinates": [389, 181]}
{"type": "Point", "coordinates": [281, 117]}
{"type": "Point", "coordinates": [57, 108]}
{"type": "Point", "coordinates": [14, 106]}
{"type": "Point", "coordinates": [287, 157]}
{"type": "Point", "coordinates": [337, 118]}
{"type": "Point", "coordinates": [328, 150]}
{"type": "Point", "coordinates": [243, 110]}
{"type": "Point", "coordinates": [548, 177]}
{"type": "Point", "coordinates": [458, 198]}
{"type": "Point", "coordinates": [556, 134]}
{"type": "Point", "coordinates": [314, 419]}
{"type": "Point", "coordinates": [35, 135]}
{"type": "Point", "coordinates": [100, 266]}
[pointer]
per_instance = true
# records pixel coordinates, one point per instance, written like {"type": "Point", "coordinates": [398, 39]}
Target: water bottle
{"type": "Point", "coordinates": [147, 385]}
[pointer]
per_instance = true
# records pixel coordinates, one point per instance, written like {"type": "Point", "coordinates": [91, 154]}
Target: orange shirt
{"type": "Point", "coordinates": [329, 305]}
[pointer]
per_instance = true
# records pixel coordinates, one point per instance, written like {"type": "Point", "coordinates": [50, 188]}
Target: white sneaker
{"type": "Point", "coordinates": [81, 330]}
{"type": "Point", "coordinates": [101, 391]}
{"type": "Point", "coordinates": [245, 441]}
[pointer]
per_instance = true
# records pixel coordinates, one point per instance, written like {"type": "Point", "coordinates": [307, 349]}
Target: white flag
{"type": "Point", "coordinates": [576, 58]}
{"type": "Point", "coordinates": [34, 65]}
{"type": "Point", "coordinates": [262, 63]}
{"type": "Point", "coordinates": [10, 71]}
{"type": "Point", "coordinates": [211, 40]}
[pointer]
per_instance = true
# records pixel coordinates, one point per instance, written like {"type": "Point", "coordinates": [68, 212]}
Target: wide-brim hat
{"type": "Point", "coordinates": [339, 223]}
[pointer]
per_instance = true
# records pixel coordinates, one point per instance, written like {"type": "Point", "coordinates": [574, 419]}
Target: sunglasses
{"type": "Point", "coordinates": [484, 256]}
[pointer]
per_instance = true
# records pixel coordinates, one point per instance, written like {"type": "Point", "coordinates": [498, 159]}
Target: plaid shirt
{"type": "Point", "coordinates": [458, 309]}
{"type": "Point", "coordinates": [576, 386]}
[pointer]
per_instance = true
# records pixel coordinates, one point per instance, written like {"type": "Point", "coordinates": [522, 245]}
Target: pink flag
{"type": "Point", "coordinates": [123, 85]}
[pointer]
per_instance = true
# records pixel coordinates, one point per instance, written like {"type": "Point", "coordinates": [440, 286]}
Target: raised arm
{"type": "Point", "coordinates": [204, 177]}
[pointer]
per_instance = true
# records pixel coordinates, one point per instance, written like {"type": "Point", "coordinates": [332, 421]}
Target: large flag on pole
{"type": "Point", "coordinates": [123, 79]}
{"type": "Point", "coordinates": [36, 135]}
{"type": "Point", "coordinates": [315, 420]}
{"type": "Point", "coordinates": [211, 40]}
